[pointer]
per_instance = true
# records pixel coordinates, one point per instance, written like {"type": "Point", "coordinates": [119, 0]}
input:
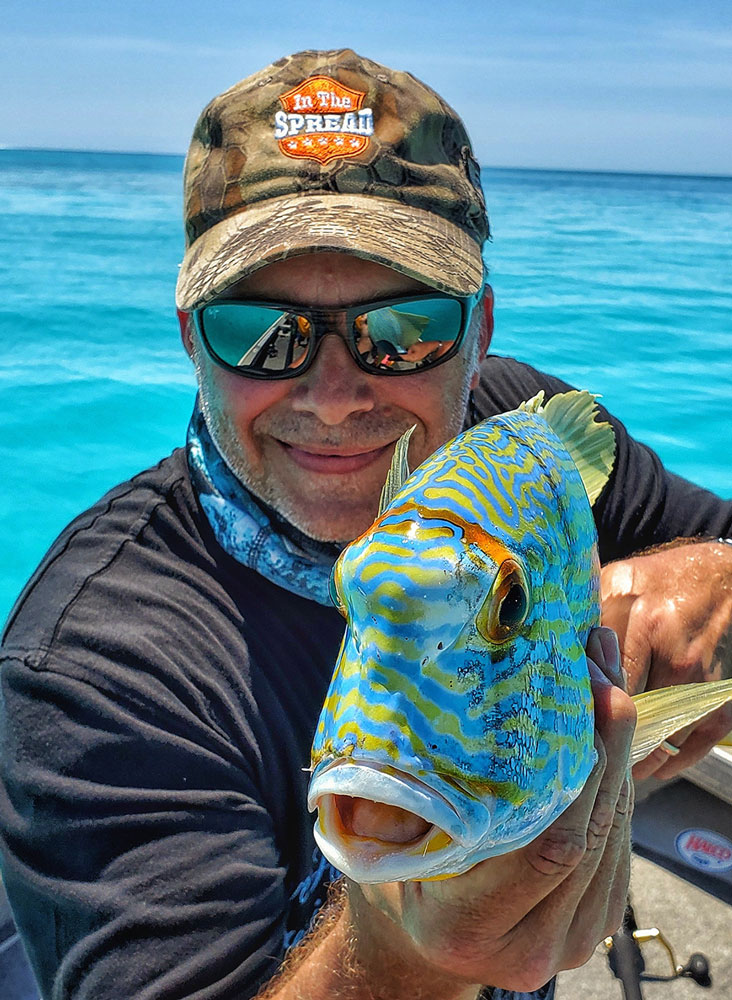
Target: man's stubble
{"type": "Point", "coordinates": [362, 427]}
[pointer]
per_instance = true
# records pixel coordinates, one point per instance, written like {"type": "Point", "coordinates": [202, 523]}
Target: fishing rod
{"type": "Point", "coordinates": [628, 965]}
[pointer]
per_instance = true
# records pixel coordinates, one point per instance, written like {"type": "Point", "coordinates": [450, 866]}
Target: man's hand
{"type": "Point", "coordinates": [516, 920]}
{"type": "Point", "coordinates": [672, 611]}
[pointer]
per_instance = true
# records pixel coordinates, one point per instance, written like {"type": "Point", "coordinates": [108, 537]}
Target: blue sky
{"type": "Point", "coordinates": [592, 85]}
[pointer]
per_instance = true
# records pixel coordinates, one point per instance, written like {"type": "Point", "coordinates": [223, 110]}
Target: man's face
{"type": "Point", "coordinates": [317, 448]}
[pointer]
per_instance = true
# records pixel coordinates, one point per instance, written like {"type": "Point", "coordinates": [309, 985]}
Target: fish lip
{"type": "Point", "coordinates": [369, 860]}
{"type": "Point", "coordinates": [391, 786]}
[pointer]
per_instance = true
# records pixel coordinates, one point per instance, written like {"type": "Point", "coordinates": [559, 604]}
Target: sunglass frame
{"type": "Point", "coordinates": [321, 322]}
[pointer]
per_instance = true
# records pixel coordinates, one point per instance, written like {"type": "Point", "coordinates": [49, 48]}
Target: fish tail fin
{"type": "Point", "coordinates": [665, 711]}
{"type": "Point", "coordinates": [591, 443]}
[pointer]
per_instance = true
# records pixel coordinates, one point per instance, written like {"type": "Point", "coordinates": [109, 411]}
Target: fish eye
{"type": "Point", "coordinates": [333, 591]}
{"type": "Point", "coordinates": [513, 607]}
{"type": "Point", "coordinates": [505, 609]}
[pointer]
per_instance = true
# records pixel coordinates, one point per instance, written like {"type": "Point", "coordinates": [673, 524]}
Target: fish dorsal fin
{"type": "Point", "coordinates": [535, 404]}
{"type": "Point", "coordinates": [665, 711]}
{"type": "Point", "coordinates": [591, 443]}
{"type": "Point", "coordinates": [398, 471]}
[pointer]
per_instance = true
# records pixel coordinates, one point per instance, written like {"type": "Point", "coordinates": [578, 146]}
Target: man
{"type": "Point", "coordinates": [164, 668]}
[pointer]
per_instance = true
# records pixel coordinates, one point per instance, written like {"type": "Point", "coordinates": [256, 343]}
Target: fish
{"type": "Point", "coordinates": [459, 723]}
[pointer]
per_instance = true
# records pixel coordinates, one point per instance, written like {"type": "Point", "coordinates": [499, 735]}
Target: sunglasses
{"type": "Point", "coordinates": [269, 340]}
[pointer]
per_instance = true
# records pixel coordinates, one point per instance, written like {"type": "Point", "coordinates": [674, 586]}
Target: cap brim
{"type": "Point", "coordinates": [410, 240]}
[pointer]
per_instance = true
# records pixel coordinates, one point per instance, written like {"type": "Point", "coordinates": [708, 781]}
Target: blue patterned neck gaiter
{"type": "Point", "coordinates": [244, 529]}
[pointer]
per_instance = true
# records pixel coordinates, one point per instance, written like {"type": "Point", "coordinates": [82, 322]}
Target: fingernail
{"type": "Point", "coordinates": [603, 648]}
{"type": "Point", "coordinates": [594, 648]}
{"type": "Point", "coordinates": [611, 649]}
{"type": "Point", "coordinates": [596, 673]}
{"type": "Point", "coordinates": [611, 652]}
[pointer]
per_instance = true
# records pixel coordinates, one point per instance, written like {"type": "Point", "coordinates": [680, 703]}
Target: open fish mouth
{"type": "Point", "coordinates": [370, 817]}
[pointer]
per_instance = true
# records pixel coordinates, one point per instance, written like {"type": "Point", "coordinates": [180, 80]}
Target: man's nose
{"type": "Point", "coordinates": [334, 387]}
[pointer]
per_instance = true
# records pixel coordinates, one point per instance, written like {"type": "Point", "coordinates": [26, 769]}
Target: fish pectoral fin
{"type": "Point", "coordinates": [665, 711]}
{"type": "Point", "coordinates": [591, 443]}
{"type": "Point", "coordinates": [398, 471]}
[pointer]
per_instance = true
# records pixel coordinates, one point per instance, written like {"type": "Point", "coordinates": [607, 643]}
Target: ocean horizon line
{"type": "Point", "coordinates": [596, 171]}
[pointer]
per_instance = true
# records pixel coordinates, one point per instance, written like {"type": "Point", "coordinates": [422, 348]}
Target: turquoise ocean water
{"type": "Point", "coordinates": [619, 283]}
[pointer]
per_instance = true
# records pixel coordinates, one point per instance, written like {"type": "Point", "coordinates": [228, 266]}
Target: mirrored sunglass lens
{"type": "Point", "coordinates": [409, 335]}
{"type": "Point", "coordinates": [256, 338]}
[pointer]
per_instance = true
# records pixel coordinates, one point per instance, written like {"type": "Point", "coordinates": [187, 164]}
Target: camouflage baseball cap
{"type": "Point", "coordinates": [330, 151]}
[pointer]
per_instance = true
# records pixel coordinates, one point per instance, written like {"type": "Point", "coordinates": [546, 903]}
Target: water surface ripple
{"type": "Point", "coordinates": [621, 284]}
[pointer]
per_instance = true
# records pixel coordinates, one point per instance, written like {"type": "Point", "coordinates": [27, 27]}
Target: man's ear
{"type": "Point", "coordinates": [486, 322]}
{"type": "Point", "coordinates": [186, 326]}
{"type": "Point", "coordinates": [485, 329]}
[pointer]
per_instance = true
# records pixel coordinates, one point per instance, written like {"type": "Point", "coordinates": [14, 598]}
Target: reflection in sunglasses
{"type": "Point", "coordinates": [400, 328]}
{"type": "Point", "coordinates": [426, 350]}
{"type": "Point", "coordinates": [275, 349]}
{"type": "Point", "coordinates": [271, 341]}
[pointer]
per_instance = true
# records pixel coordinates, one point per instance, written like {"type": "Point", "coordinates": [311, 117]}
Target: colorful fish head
{"type": "Point", "coordinates": [461, 696]}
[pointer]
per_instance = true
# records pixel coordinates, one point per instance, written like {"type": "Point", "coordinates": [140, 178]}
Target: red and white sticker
{"type": "Point", "coordinates": [323, 119]}
{"type": "Point", "coordinates": [705, 849]}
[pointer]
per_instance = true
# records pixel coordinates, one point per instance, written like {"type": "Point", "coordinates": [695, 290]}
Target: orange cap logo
{"type": "Point", "coordinates": [324, 120]}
